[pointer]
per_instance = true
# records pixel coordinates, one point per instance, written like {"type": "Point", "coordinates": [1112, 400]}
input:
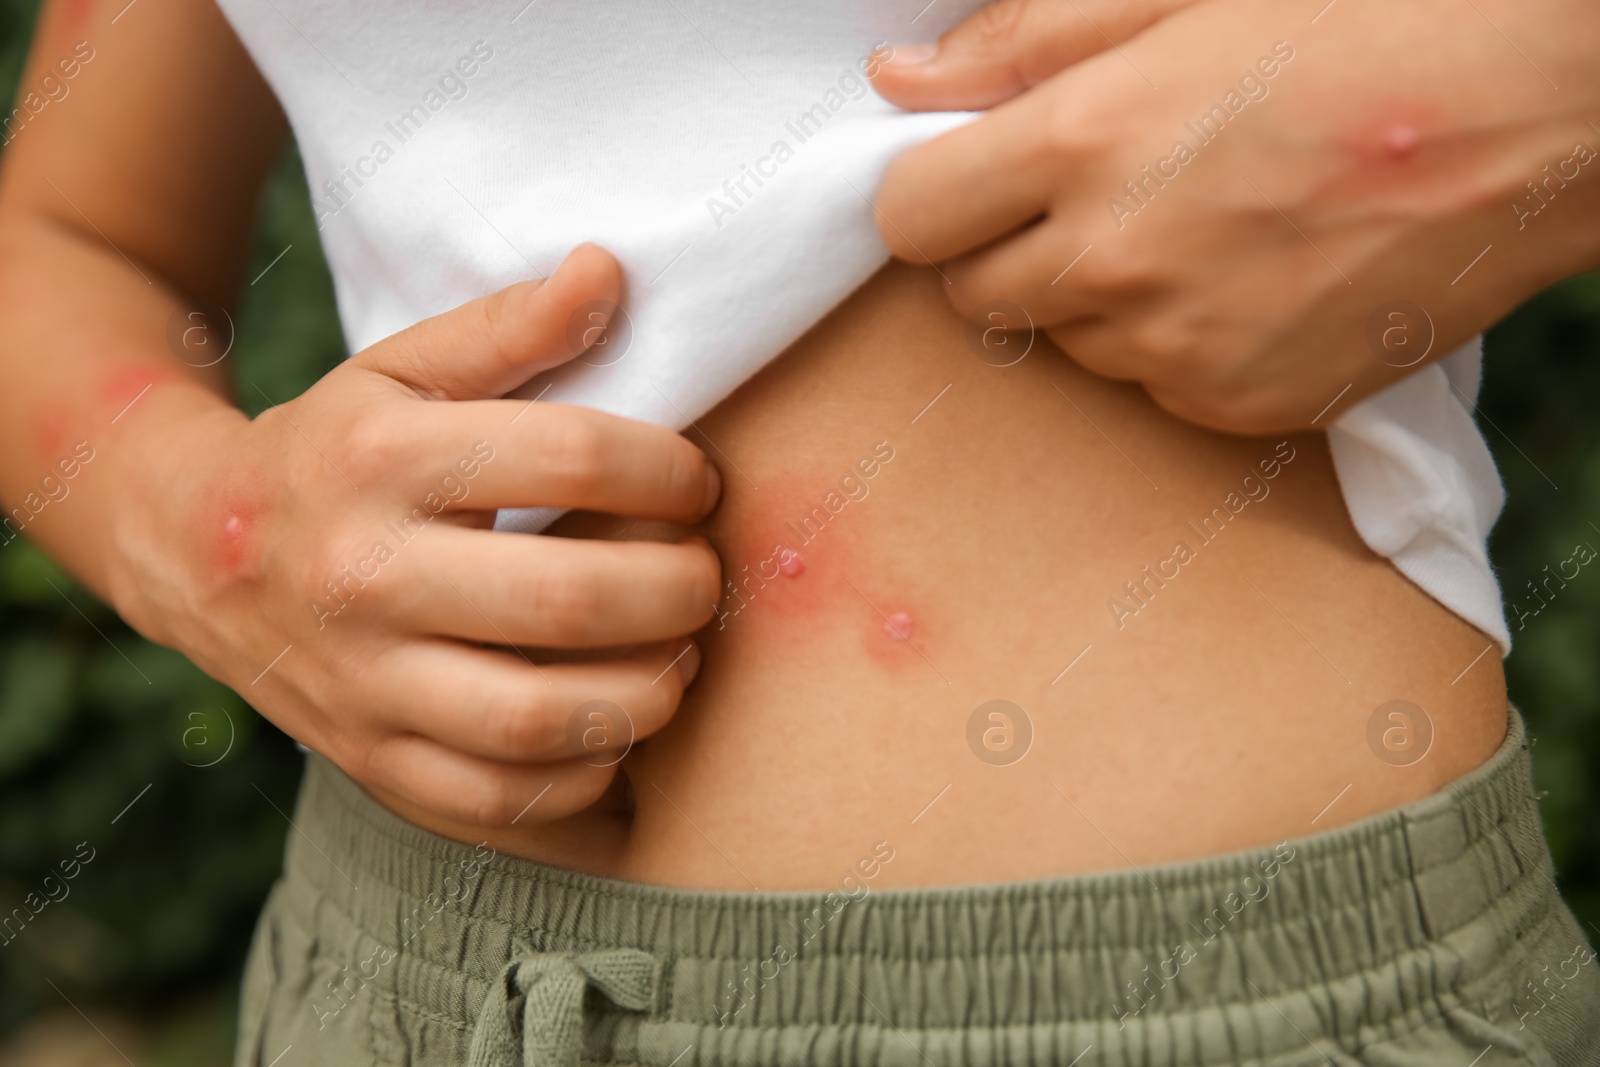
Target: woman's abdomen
{"type": "Point", "coordinates": [1031, 625]}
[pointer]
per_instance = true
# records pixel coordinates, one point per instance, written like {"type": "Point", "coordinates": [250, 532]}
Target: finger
{"type": "Point", "coordinates": [1031, 268]}
{"type": "Point", "coordinates": [978, 182]}
{"type": "Point", "coordinates": [1055, 274]}
{"type": "Point", "coordinates": [1257, 400]}
{"type": "Point", "coordinates": [1007, 47]}
{"type": "Point", "coordinates": [549, 592]}
{"type": "Point", "coordinates": [1101, 346]}
{"type": "Point", "coordinates": [489, 346]}
{"type": "Point", "coordinates": [480, 792]}
{"type": "Point", "coordinates": [497, 705]}
{"type": "Point", "coordinates": [516, 453]}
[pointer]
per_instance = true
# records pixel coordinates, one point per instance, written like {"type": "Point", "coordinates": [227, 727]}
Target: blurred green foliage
{"type": "Point", "coordinates": [1541, 389]}
{"type": "Point", "coordinates": [93, 718]}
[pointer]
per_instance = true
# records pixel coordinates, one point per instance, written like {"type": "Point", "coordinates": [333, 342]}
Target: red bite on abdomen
{"type": "Point", "coordinates": [804, 571]}
{"type": "Point", "coordinates": [789, 566]}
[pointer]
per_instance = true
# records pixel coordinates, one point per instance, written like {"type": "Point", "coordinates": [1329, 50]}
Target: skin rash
{"type": "Point", "coordinates": [1398, 147]}
{"type": "Point", "coordinates": [75, 15]}
{"type": "Point", "coordinates": [231, 529]}
{"type": "Point", "coordinates": [1399, 140]}
{"type": "Point", "coordinates": [807, 567]}
{"type": "Point", "coordinates": [781, 579]}
{"type": "Point", "coordinates": [49, 433]}
{"type": "Point", "coordinates": [128, 383]}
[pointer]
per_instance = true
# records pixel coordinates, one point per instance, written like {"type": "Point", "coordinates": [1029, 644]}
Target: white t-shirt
{"type": "Point", "coordinates": [727, 154]}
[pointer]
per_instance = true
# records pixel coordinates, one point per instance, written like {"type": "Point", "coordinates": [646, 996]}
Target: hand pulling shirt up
{"type": "Point", "coordinates": [727, 154]}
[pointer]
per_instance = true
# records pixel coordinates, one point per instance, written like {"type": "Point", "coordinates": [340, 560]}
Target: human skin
{"type": "Point", "coordinates": [1231, 710]}
{"type": "Point", "coordinates": [1017, 503]}
{"type": "Point", "coordinates": [1390, 154]}
{"type": "Point", "coordinates": [234, 539]}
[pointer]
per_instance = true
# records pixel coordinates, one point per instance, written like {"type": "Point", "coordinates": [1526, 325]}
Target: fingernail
{"type": "Point", "coordinates": [713, 488]}
{"type": "Point", "coordinates": [907, 55]}
{"type": "Point", "coordinates": [572, 254]}
{"type": "Point", "coordinates": [567, 258]}
{"type": "Point", "coordinates": [689, 664]}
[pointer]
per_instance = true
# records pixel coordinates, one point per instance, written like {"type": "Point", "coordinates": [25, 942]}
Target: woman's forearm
{"type": "Point", "coordinates": [94, 397]}
{"type": "Point", "coordinates": [265, 549]}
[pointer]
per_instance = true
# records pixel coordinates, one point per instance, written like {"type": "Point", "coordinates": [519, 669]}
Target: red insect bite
{"type": "Point", "coordinates": [127, 385]}
{"type": "Point", "coordinates": [893, 637]}
{"type": "Point", "coordinates": [803, 569]}
{"type": "Point", "coordinates": [233, 533]}
{"type": "Point", "coordinates": [1399, 140]}
{"type": "Point", "coordinates": [1376, 135]}
{"type": "Point", "coordinates": [50, 434]}
{"type": "Point", "coordinates": [789, 565]}
{"type": "Point", "coordinates": [75, 14]}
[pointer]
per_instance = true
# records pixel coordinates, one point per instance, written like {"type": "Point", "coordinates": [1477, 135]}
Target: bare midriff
{"type": "Point", "coordinates": [1189, 637]}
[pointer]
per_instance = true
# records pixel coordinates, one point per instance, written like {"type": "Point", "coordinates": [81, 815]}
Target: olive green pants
{"type": "Point", "coordinates": [1429, 935]}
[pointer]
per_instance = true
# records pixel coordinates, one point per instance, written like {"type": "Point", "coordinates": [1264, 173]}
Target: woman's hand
{"type": "Point", "coordinates": [1009, 46]}
{"type": "Point", "coordinates": [1262, 213]}
{"type": "Point", "coordinates": [331, 559]}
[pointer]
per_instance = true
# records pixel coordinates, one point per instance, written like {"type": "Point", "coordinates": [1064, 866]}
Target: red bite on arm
{"type": "Point", "coordinates": [1387, 146]}
{"type": "Point", "coordinates": [1399, 140]}
{"type": "Point", "coordinates": [75, 15]}
{"type": "Point", "coordinates": [1387, 131]}
{"type": "Point", "coordinates": [1392, 155]}
{"type": "Point", "coordinates": [128, 383]}
{"type": "Point", "coordinates": [49, 434]}
{"type": "Point", "coordinates": [231, 528]}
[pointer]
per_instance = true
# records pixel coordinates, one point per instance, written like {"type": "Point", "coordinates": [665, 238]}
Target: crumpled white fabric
{"type": "Point", "coordinates": [720, 313]}
{"type": "Point", "coordinates": [616, 123]}
{"type": "Point", "coordinates": [1422, 488]}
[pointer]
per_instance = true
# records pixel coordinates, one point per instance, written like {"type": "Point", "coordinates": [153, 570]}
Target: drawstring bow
{"type": "Point", "coordinates": [552, 987]}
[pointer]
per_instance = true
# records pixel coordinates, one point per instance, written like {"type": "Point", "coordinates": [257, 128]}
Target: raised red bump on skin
{"type": "Point", "coordinates": [231, 529]}
{"type": "Point", "coordinates": [1405, 152]}
{"type": "Point", "coordinates": [796, 592]}
{"type": "Point", "coordinates": [895, 640]}
{"type": "Point", "coordinates": [1386, 141]}
{"type": "Point", "coordinates": [1399, 140]}
{"type": "Point", "coordinates": [1375, 131]}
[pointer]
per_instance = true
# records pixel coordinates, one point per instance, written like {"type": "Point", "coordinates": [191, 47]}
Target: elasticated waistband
{"type": "Point", "coordinates": [1366, 931]}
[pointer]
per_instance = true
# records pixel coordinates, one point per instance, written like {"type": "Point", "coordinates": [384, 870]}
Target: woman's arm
{"type": "Point", "coordinates": [330, 558]}
{"type": "Point", "coordinates": [132, 187]}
